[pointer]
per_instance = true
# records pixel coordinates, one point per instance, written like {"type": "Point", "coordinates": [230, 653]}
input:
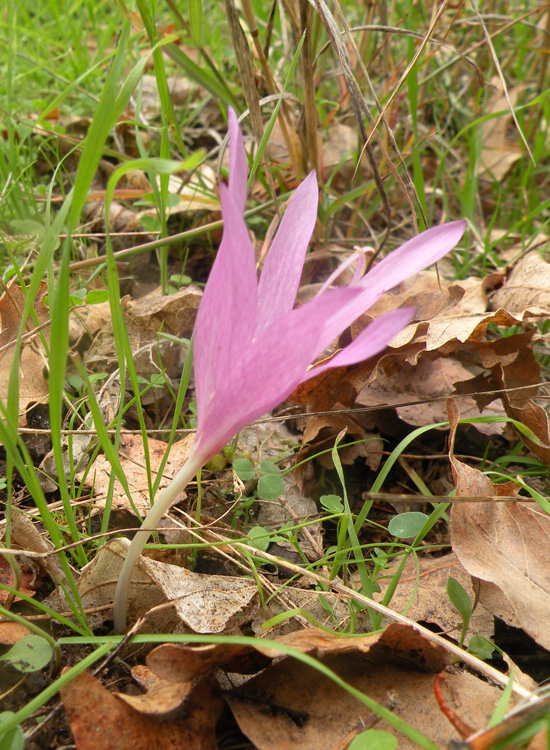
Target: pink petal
{"type": "Point", "coordinates": [227, 314]}
{"type": "Point", "coordinates": [372, 340]}
{"type": "Point", "coordinates": [238, 165]}
{"type": "Point", "coordinates": [282, 269]}
{"type": "Point", "coordinates": [265, 373]}
{"type": "Point", "coordinates": [415, 255]}
{"type": "Point", "coordinates": [410, 258]}
{"type": "Point", "coordinates": [358, 256]}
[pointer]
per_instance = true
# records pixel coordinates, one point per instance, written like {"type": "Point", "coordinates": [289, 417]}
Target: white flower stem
{"type": "Point", "coordinates": [190, 468]}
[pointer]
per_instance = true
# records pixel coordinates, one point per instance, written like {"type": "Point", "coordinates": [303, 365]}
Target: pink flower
{"type": "Point", "coordinates": [252, 347]}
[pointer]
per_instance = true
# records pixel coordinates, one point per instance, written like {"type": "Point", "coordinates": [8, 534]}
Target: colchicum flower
{"type": "Point", "coordinates": [252, 347]}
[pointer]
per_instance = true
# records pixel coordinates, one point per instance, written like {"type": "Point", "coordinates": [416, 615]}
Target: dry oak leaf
{"type": "Point", "coordinates": [291, 704]}
{"type": "Point", "coordinates": [101, 720]}
{"type": "Point", "coordinates": [450, 330]}
{"type": "Point", "coordinates": [506, 545]}
{"type": "Point", "coordinates": [500, 147]}
{"type": "Point", "coordinates": [527, 286]}
{"type": "Point", "coordinates": [422, 593]}
{"type": "Point", "coordinates": [147, 319]}
{"type": "Point", "coordinates": [433, 297]}
{"type": "Point", "coordinates": [435, 303]}
{"type": "Point", "coordinates": [204, 603]}
{"type": "Point", "coordinates": [430, 378]}
{"type": "Point", "coordinates": [132, 460]}
{"type": "Point", "coordinates": [513, 364]}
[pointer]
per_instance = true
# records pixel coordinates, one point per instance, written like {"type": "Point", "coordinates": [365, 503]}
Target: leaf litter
{"type": "Point", "coordinates": [436, 347]}
{"type": "Point", "coordinates": [291, 719]}
{"type": "Point", "coordinates": [454, 344]}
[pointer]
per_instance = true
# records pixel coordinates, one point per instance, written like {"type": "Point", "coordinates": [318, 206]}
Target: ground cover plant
{"type": "Point", "coordinates": [365, 563]}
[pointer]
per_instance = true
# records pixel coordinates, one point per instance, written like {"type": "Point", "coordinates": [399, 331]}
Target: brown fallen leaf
{"type": "Point", "coordinates": [205, 603]}
{"type": "Point", "coordinates": [432, 297]}
{"type": "Point", "coordinates": [428, 379]}
{"type": "Point", "coordinates": [422, 591]}
{"type": "Point", "coordinates": [163, 698]}
{"type": "Point", "coordinates": [33, 386]}
{"type": "Point", "coordinates": [513, 365]}
{"type": "Point", "coordinates": [132, 459]}
{"type": "Point", "coordinates": [500, 148]}
{"type": "Point", "coordinates": [101, 720]}
{"type": "Point", "coordinates": [451, 330]}
{"type": "Point", "coordinates": [11, 632]}
{"type": "Point", "coordinates": [31, 576]}
{"type": "Point", "coordinates": [291, 704]}
{"type": "Point", "coordinates": [147, 319]}
{"type": "Point", "coordinates": [174, 313]}
{"type": "Point", "coordinates": [26, 536]}
{"type": "Point", "coordinates": [398, 643]}
{"type": "Point", "coordinates": [177, 662]}
{"type": "Point", "coordinates": [528, 285]}
{"type": "Point", "coordinates": [321, 431]}
{"type": "Point", "coordinates": [506, 545]}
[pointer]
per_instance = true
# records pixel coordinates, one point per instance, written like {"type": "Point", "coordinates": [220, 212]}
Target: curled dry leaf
{"type": "Point", "coordinates": [25, 535]}
{"type": "Point", "coordinates": [432, 296]}
{"type": "Point", "coordinates": [513, 365]}
{"type": "Point", "coordinates": [506, 545]}
{"type": "Point", "coordinates": [451, 330]}
{"type": "Point", "coordinates": [290, 704]}
{"type": "Point", "coordinates": [101, 720]}
{"type": "Point", "coordinates": [162, 698]}
{"type": "Point", "coordinates": [180, 663]}
{"type": "Point", "coordinates": [31, 575]}
{"type": "Point", "coordinates": [398, 643]}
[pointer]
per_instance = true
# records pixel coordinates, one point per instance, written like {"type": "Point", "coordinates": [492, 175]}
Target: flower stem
{"type": "Point", "coordinates": [193, 464]}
